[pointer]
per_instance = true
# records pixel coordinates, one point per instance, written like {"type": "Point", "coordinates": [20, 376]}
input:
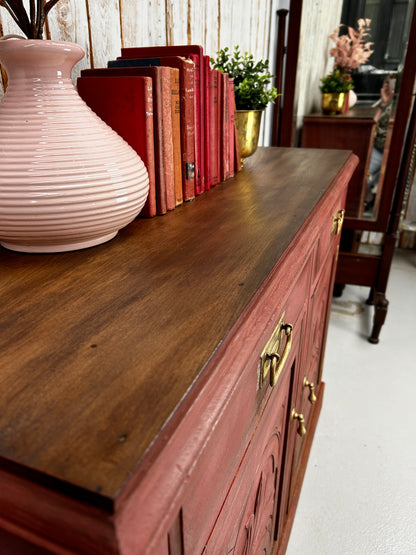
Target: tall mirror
{"type": "Point", "coordinates": [394, 62]}
{"type": "Point", "coordinates": [372, 207]}
{"type": "Point", "coordinates": [377, 83]}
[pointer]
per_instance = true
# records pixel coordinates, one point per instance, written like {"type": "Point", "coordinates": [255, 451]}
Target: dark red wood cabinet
{"type": "Point", "coordinates": [352, 130]}
{"type": "Point", "coordinates": [160, 392]}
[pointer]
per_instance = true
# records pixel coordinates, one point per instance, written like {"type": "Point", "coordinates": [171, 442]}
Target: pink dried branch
{"type": "Point", "coordinates": [352, 49]}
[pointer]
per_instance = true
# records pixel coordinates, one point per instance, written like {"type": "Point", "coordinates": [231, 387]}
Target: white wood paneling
{"type": "Point", "coordinates": [102, 27]}
{"type": "Point", "coordinates": [179, 22]}
{"type": "Point", "coordinates": [318, 21]}
{"type": "Point", "coordinates": [105, 30]}
{"type": "Point", "coordinates": [211, 34]}
{"type": "Point", "coordinates": [134, 23]}
{"type": "Point", "coordinates": [156, 23]}
{"type": "Point", "coordinates": [67, 22]}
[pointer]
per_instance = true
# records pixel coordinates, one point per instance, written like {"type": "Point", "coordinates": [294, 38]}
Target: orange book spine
{"type": "Point", "coordinates": [176, 135]}
{"type": "Point", "coordinates": [207, 123]}
{"type": "Point", "coordinates": [188, 130]}
{"type": "Point", "coordinates": [214, 129]}
{"type": "Point", "coordinates": [167, 137]}
{"type": "Point", "coordinates": [225, 127]}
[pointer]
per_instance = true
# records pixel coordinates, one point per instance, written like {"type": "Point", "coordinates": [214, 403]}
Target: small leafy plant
{"type": "Point", "coordinates": [336, 82]}
{"type": "Point", "coordinates": [32, 22]}
{"type": "Point", "coordinates": [252, 80]}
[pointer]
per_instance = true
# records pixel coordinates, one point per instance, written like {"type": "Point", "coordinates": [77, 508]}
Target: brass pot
{"type": "Point", "coordinates": [332, 103]}
{"type": "Point", "coordinates": [248, 130]}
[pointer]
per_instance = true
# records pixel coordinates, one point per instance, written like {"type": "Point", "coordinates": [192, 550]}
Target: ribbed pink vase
{"type": "Point", "coordinates": [67, 180]}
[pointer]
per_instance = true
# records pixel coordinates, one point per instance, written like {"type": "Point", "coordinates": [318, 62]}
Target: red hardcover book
{"type": "Point", "coordinates": [126, 105]}
{"type": "Point", "coordinates": [199, 143]}
{"type": "Point", "coordinates": [224, 125]}
{"type": "Point", "coordinates": [194, 52]}
{"type": "Point", "coordinates": [176, 134]}
{"type": "Point", "coordinates": [207, 122]}
{"type": "Point", "coordinates": [187, 117]}
{"type": "Point", "coordinates": [162, 123]}
{"type": "Point", "coordinates": [231, 133]}
{"type": "Point", "coordinates": [214, 128]}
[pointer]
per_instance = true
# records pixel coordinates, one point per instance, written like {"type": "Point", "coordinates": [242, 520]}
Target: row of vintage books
{"type": "Point", "coordinates": [175, 111]}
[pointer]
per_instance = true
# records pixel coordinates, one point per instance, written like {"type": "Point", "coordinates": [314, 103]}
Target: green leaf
{"type": "Point", "coordinates": [252, 79]}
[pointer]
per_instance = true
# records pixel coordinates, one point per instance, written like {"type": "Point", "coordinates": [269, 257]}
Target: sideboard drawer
{"type": "Point", "coordinates": [309, 388]}
{"type": "Point", "coordinates": [246, 523]}
{"type": "Point", "coordinates": [329, 234]}
{"type": "Point", "coordinates": [233, 427]}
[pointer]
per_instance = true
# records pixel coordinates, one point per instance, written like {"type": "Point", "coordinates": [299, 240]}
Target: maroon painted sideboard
{"type": "Point", "coordinates": [159, 393]}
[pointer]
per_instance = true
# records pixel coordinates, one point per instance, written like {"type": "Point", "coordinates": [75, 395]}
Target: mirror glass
{"type": "Point", "coordinates": [389, 28]}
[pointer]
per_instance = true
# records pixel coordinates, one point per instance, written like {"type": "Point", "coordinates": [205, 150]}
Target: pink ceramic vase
{"type": "Point", "coordinates": [67, 180]}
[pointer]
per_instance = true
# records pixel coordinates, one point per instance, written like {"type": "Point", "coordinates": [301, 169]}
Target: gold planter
{"type": "Point", "coordinates": [248, 130]}
{"type": "Point", "coordinates": [332, 103]}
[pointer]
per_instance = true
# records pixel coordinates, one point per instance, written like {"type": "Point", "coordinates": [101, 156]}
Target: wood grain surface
{"type": "Point", "coordinates": [98, 347]}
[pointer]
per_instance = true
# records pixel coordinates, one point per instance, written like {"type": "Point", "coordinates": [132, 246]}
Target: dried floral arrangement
{"type": "Point", "coordinates": [351, 49]}
{"type": "Point", "coordinates": [30, 22]}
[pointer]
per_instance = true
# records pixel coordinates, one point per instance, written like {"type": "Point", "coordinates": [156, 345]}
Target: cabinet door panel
{"type": "Point", "coordinates": [246, 523]}
{"type": "Point", "coordinates": [311, 370]}
{"type": "Point", "coordinates": [297, 363]}
{"type": "Point", "coordinates": [319, 315]}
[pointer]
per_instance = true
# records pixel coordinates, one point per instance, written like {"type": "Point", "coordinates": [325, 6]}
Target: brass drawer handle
{"type": "Point", "coordinates": [278, 365]}
{"type": "Point", "coordinates": [301, 419]}
{"type": "Point", "coordinates": [337, 222]}
{"type": "Point", "coordinates": [311, 385]}
{"type": "Point", "coordinates": [270, 361]}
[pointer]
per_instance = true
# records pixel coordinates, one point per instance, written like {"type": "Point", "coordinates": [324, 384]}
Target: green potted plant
{"type": "Point", "coordinates": [334, 87]}
{"type": "Point", "coordinates": [252, 93]}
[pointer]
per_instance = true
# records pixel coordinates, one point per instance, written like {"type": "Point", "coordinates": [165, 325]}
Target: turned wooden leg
{"type": "Point", "coordinates": [370, 299]}
{"type": "Point", "coordinates": [380, 305]}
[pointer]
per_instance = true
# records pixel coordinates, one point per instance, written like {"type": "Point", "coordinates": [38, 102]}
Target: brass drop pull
{"type": "Point", "coordinates": [311, 385]}
{"type": "Point", "coordinates": [270, 360]}
{"type": "Point", "coordinates": [301, 419]}
{"type": "Point", "coordinates": [279, 362]}
{"type": "Point", "coordinates": [337, 222]}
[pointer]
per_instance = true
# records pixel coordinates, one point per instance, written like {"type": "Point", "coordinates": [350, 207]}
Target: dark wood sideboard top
{"type": "Point", "coordinates": [354, 113]}
{"type": "Point", "coordinates": [99, 346]}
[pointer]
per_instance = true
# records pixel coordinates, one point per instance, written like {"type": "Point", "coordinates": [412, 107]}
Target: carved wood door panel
{"type": "Point", "coordinates": [309, 390]}
{"type": "Point", "coordinates": [246, 523]}
{"type": "Point", "coordinates": [318, 318]}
